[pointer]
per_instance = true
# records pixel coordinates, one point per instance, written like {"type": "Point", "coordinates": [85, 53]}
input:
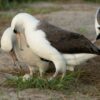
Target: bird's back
{"type": "Point", "coordinates": [66, 41]}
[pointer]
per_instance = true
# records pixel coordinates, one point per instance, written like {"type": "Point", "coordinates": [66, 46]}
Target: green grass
{"type": "Point", "coordinates": [4, 5]}
{"type": "Point", "coordinates": [1, 93]}
{"type": "Point", "coordinates": [7, 4]}
{"type": "Point", "coordinates": [6, 16]}
{"type": "Point", "coordinates": [82, 30]}
{"type": "Point", "coordinates": [94, 1]}
{"type": "Point", "coordinates": [42, 10]}
{"type": "Point", "coordinates": [37, 82]}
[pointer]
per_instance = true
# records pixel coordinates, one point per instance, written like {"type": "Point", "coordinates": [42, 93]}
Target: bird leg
{"type": "Point", "coordinates": [31, 70]}
{"type": "Point", "coordinates": [28, 76]}
{"type": "Point", "coordinates": [43, 66]}
{"type": "Point", "coordinates": [14, 57]}
{"type": "Point", "coordinates": [60, 66]}
{"type": "Point", "coordinates": [63, 75]}
{"type": "Point", "coordinates": [41, 72]}
{"type": "Point", "coordinates": [55, 74]}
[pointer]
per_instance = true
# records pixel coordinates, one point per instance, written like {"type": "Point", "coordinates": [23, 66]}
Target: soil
{"type": "Point", "coordinates": [75, 17]}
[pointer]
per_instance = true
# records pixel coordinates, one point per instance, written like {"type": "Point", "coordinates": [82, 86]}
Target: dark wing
{"type": "Point", "coordinates": [67, 42]}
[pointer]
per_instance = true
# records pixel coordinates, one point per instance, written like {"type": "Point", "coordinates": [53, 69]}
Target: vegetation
{"type": "Point", "coordinates": [36, 82]}
{"type": "Point", "coordinates": [42, 10]}
{"type": "Point", "coordinates": [95, 1]}
{"type": "Point", "coordinates": [9, 4]}
{"type": "Point", "coordinates": [82, 30]}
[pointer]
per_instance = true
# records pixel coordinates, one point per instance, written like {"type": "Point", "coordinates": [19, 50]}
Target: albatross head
{"type": "Point", "coordinates": [17, 28]}
{"type": "Point", "coordinates": [17, 23]}
{"type": "Point", "coordinates": [97, 24]}
{"type": "Point", "coordinates": [22, 22]}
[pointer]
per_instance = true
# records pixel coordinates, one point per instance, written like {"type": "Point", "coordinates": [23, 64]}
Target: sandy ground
{"type": "Point", "coordinates": [74, 17]}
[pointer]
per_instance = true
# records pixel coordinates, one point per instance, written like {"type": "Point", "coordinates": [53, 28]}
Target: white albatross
{"type": "Point", "coordinates": [9, 43]}
{"type": "Point", "coordinates": [49, 42]}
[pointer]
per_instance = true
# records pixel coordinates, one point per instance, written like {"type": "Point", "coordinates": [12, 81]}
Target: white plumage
{"type": "Point", "coordinates": [9, 43]}
{"type": "Point", "coordinates": [27, 24]}
{"type": "Point", "coordinates": [7, 40]}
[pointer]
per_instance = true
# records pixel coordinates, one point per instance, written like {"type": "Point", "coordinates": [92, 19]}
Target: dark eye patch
{"type": "Point", "coordinates": [15, 31]}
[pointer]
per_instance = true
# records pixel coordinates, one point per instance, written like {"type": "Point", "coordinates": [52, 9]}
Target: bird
{"type": "Point", "coordinates": [97, 23]}
{"type": "Point", "coordinates": [7, 45]}
{"type": "Point", "coordinates": [9, 38]}
{"type": "Point", "coordinates": [49, 42]}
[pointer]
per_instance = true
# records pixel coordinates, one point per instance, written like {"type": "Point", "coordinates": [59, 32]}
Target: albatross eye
{"type": "Point", "coordinates": [15, 31]}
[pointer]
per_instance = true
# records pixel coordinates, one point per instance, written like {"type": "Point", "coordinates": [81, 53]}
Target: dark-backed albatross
{"type": "Point", "coordinates": [49, 42]}
{"type": "Point", "coordinates": [9, 43]}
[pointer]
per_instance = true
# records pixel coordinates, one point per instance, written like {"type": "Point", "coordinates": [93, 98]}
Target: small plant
{"type": "Point", "coordinates": [42, 10]}
{"type": "Point", "coordinates": [37, 82]}
{"type": "Point", "coordinates": [96, 1]}
{"type": "Point", "coordinates": [82, 30]}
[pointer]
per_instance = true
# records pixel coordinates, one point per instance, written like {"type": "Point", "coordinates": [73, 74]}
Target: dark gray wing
{"type": "Point", "coordinates": [67, 42]}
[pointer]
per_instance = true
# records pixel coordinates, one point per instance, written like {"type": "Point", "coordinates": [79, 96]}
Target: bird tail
{"type": "Point", "coordinates": [98, 51]}
{"type": "Point", "coordinates": [95, 49]}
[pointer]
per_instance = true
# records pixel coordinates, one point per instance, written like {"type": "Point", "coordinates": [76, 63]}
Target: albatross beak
{"type": "Point", "coordinates": [19, 40]}
{"type": "Point", "coordinates": [26, 42]}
